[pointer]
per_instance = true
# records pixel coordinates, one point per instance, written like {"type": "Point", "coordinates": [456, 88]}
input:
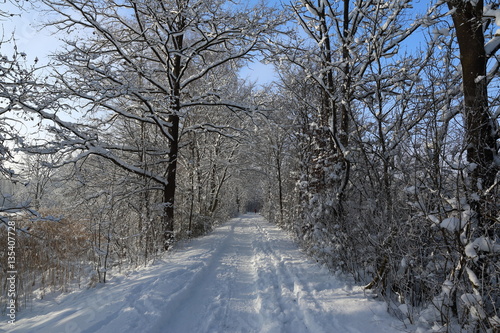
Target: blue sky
{"type": "Point", "coordinates": [29, 38]}
{"type": "Point", "coordinates": [37, 43]}
{"type": "Point", "coordinates": [258, 72]}
{"type": "Point", "coordinates": [40, 43]}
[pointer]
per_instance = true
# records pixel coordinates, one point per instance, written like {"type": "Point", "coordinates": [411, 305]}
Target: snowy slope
{"type": "Point", "coordinates": [246, 276]}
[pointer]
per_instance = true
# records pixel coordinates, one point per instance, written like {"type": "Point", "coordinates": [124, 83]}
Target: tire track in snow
{"type": "Point", "coordinates": [293, 295]}
{"type": "Point", "coordinates": [240, 315]}
{"type": "Point", "coordinates": [220, 296]}
{"type": "Point", "coordinates": [272, 301]}
{"type": "Point", "coordinates": [182, 312]}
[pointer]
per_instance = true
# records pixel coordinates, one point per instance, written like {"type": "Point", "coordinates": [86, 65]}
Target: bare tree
{"type": "Point", "coordinates": [141, 62]}
{"type": "Point", "coordinates": [15, 73]}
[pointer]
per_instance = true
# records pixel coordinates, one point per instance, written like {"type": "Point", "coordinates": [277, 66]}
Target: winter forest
{"type": "Point", "coordinates": [375, 145]}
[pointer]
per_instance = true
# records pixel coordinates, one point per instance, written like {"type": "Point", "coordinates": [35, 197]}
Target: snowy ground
{"type": "Point", "coordinates": [246, 276]}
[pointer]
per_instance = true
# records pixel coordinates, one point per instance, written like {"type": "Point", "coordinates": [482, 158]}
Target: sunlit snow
{"type": "Point", "coordinates": [246, 276]}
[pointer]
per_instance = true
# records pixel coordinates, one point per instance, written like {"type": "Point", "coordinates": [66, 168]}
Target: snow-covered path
{"type": "Point", "coordinates": [246, 276]}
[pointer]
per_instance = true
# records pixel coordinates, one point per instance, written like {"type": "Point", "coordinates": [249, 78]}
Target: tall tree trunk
{"type": "Point", "coordinates": [280, 187]}
{"type": "Point", "coordinates": [480, 138]}
{"type": "Point", "coordinates": [169, 189]}
{"type": "Point", "coordinates": [328, 112]}
{"type": "Point", "coordinates": [173, 120]}
{"type": "Point", "coordinates": [344, 110]}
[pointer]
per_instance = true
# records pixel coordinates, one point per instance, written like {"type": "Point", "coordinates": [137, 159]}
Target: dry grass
{"type": "Point", "coordinates": [50, 254]}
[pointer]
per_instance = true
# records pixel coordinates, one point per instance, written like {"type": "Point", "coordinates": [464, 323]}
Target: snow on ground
{"type": "Point", "coordinates": [246, 276]}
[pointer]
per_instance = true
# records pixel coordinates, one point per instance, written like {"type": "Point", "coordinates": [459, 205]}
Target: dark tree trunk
{"type": "Point", "coordinates": [344, 110]}
{"type": "Point", "coordinates": [280, 187]}
{"type": "Point", "coordinates": [480, 138]}
{"type": "Point", "coordinates": [173, 120]}
{"type": "Point", "coordinates": [169, 189]}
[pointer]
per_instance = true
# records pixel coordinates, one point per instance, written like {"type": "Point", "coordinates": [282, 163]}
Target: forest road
{"type": "Point", "coordinates": [245, 276]}
{"type": "Point", "coordinates": [255, 279]}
